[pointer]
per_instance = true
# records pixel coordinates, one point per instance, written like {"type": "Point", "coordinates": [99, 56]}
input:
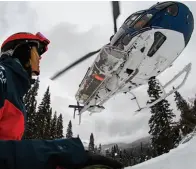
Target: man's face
{"type": "Point", "coordinates": [34, 61]}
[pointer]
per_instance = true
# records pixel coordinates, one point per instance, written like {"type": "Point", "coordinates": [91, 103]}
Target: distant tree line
{"type": "Point", "coordinates": [128, 157]}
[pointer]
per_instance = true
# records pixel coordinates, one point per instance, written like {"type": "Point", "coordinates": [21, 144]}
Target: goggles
{"type": "Point", "coordinates": [43, 44]}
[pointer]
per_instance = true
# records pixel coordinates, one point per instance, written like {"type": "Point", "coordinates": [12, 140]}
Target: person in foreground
{"type": "Point", "coordinates": [19, 61]}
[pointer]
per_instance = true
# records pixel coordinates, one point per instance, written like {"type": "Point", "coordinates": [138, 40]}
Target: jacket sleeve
{"type": "Point", "coordinates": [41, 154]}
{"type": "Point", "coordinates": [3, 82]}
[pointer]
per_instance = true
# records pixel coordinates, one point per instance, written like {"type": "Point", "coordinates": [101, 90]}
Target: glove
{"type": "Point", "coordinates": [41, 154]}
{"type": "Point", "coordinates": [95, 161]}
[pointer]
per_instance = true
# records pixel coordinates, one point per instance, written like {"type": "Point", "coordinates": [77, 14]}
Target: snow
{"type": "Point", "coordinates": [182, 157]}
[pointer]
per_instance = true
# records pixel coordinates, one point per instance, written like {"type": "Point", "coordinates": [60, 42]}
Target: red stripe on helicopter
{"type": "Point", "coordinates": [98, 77]}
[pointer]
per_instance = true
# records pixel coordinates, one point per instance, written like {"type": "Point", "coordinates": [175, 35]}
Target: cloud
{"type": "Point", "coordinates": [16, 17]}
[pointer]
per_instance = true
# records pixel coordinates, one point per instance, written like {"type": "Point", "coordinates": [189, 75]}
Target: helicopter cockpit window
{"type": "Point", "coordinates": [131, 19]}
{"type": "Point", "coordinates": [172, 10]}
{"type": "Point", "coordinates": [143, 21]}
{"type": "Point", "coordinates": [163, 5]}
{"type": "Point", "coordinates": [159, 39]}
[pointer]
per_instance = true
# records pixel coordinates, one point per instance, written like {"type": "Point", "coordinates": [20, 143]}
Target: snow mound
{"type": "Point", "coordinates": [182, 157]}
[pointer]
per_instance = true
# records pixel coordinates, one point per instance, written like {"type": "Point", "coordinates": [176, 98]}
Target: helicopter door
{"type": "Point", "coordinates": [150, 63]}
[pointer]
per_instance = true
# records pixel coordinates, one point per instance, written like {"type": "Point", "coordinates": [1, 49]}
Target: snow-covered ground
{"type": "Point", "coordinates": [182, 157]}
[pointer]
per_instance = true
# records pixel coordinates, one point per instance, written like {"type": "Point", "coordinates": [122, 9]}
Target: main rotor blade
{"type": "Point", "coordinates": [116, 13]}
{"type": "Point", "coordinates": [74, 64]}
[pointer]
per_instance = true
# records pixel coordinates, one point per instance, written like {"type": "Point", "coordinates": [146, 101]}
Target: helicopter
{"type": "Point", "coordinates": [146, 44]}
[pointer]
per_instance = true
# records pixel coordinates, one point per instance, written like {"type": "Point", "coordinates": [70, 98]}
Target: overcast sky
{"type": "Point", "coordinates": [75, 28]}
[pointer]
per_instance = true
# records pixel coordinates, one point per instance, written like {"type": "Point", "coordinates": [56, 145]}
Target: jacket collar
{"type": "Point", "coordinates": [20, 75]}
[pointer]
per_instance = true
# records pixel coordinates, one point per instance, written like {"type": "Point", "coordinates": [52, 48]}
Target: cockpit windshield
{"type": "Point", "coordinates": [163, 5]}
{"type": "Point", "coordinates": [138, 20]}
{"type": "Point", "coordinates": [139, 12]}
{"type": "Point", "coordinates": [131, 19]}
{"type": "Point", "coordinates": [142, 22]}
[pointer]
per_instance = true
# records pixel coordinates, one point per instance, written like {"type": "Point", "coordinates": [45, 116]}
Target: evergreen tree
{"type": "Point", "coordinates": [131, 157]}
{"type": "Point", "coordinates": [148, 154]}
{"type": "Point", "coordinates": [91, 146]}
{"type": "Point", "coordinates": [96, 149]}
{"type": "Point", "coordinates": [42, 114]}
{"type": "Point", "coordinates": [186, 114]}
{"type": "Point", "coordinates": [47, 133]}
{"type": "Point", "coordinates": [160, 121]}
{"type": "Point", "coordinates": [30, 105]}
{"type": "Point", "coordinates": [120, 156]}
{"type": "Point", "coordinates": [99, 148]}
{"type": "Point", "coordinates": [176, 133]}
{"type": "Point", "coordinates": [181, 103]}
{"type": "Point", "coordinates": [113, 151]}
{"type": "Point", "coordinates": [53, 129]}
{"type": "Point", "coordinates": [60, 126]}
{"type": "Point", "coordinates": [192, 115]}
{"type": "Point", "coordinates": [126, 158]}
{"type": "Point", "coordinates": [69, 133]}
{"type": "Point", "coordinates": [142, 155]}
{"type": "Point", "coordinates": [117, 151]}
{"type": "Point", "coordinates": [107, 153]}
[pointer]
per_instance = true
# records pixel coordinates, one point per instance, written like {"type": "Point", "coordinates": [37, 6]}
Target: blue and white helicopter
{"type": "Point", "coordinates": [146, 44]}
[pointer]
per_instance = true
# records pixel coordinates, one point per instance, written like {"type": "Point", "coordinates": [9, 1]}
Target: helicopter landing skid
{"type": "Point", "coordinates": [186, 70]}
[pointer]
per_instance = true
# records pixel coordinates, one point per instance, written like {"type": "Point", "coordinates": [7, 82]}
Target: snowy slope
{"type": "Point", "coordinates": [183, 157]}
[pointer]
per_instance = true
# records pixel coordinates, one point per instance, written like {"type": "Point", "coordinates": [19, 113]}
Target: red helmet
{"type": "Point", "coordinates": [23, 37]}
